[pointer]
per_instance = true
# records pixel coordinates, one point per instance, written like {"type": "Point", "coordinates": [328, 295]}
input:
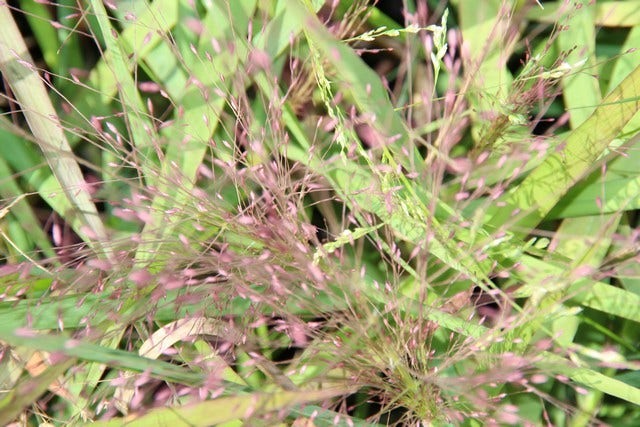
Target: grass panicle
{"type": "Point", "coordinates": [319, 213]}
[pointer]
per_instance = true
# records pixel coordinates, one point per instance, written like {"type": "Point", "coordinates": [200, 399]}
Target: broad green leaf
{"type": "Point", "coordinates": [541, 190]}
{"type": "Point", "coordinates": [487, 30]}
{"type": "Point", "coordinates": [535, 273]}
{"type": "Point", "coordinates": [608, 189]}
{"type": "Point", "coordinates": [585, 241]}
{"type": "Point", "coordinates": [590, 378]}
{"type": "Point", "coordinates": [580, 91]}
{"type": "Point", "coordinates": [143, 135]}
{"type": "Point", "coordinates": [223, 409]}
{"type": "Point", "coordinates": [36, 14]}
{"type": "Point", "coordinates": [614, 193]}
{"type": "Point", "coordinates": [574, 237]}
{"type": "Point", "coordinates": [608, 299]}
{"type": "Point", "coordinates": [140, 38]}
{"type": "Point", "coordinates": [607, 13]}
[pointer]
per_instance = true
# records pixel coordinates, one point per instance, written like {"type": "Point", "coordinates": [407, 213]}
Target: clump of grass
{"type": "Point", "coordinates": [244, 222]}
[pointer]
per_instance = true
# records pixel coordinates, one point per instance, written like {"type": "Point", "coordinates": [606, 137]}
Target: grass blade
{"type": "Point", "coordinates": [542, 189]}
{"type": "Point", "coordinates": [18, 68]}
{"type": "Point", "coordinates": [222, 410]}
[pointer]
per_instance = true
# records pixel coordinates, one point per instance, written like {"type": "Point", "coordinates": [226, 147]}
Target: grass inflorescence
{"type": "Point", "coordinates": [319, 213]}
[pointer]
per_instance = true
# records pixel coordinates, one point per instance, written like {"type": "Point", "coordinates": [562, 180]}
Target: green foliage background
{"type": "Point", "coordinates": [286, 212]}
